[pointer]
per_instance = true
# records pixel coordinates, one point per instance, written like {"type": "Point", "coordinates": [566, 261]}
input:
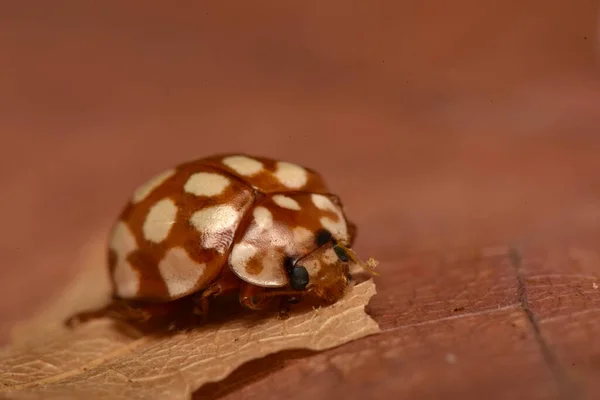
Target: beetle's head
{"type": "Point", "coordinates": [325, 272]}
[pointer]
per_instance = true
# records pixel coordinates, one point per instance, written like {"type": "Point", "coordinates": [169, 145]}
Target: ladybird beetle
{"type": "Point", "coordinates": [262, 228]}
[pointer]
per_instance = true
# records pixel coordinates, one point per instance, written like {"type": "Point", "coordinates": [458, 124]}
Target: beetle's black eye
{"type": "Point", "coordinates": [341, 253]}
{"type": "Point", "coordinates": [323, 236]}
{"type": "Point", "coordinates": [299, 278]}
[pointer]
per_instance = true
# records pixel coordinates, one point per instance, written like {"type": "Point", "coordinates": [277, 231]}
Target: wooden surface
{"type": "Point", "coordinates": [462, 137]}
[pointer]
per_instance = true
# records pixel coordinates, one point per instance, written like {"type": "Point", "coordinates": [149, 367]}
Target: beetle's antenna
{"type": "Point", "coordinates": [369, 265]}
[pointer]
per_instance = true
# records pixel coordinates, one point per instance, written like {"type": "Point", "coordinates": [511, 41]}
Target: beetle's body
{"type": "Point", "coordinates": [231, 223]}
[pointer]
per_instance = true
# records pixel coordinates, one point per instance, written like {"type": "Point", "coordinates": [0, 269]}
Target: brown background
{"type": "Point", "coordinates": [442, 125]}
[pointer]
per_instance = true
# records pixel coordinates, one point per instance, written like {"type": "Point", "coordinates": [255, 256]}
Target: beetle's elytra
{"type": "Point", "coordinates": [263, 228]}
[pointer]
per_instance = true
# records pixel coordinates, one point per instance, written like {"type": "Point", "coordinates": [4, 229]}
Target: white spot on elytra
{"type": "Point", "coordinates": [262, 218]}
{"type": "Point", "coordinates": [159, 221]}
{"type": "Point", "coordinates": [206, 184]}
{"type": "Point", "coordinates": [122, 242]}
{"type": "Point", "coordinates": [179, 272]}
{"type": "Point", "coordinates": [338, 229]}
{"type": "Point", "coordinates": [216, 225]}
{"type": "Point", "coordinates": [240, 255]}
{"type": "Point", "coordinates": [127, 280]}
{"type": "Point", "coordinates": [286, 202]}
{"type": "Point", "coordinates": [322, 202]}
{"type": "Point", "coordinates": [144, 190]}
{"type": "Point", "coordinates": [243, 165]}
{"type": "Point", "coordinates": [291, 175]}
{"type": "Point", "coordinates": [301, 234]}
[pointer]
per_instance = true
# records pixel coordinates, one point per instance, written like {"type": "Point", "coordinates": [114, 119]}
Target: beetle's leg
{"type": "Point", "coordinates": [117, 309]}
{"type": "Point", "coordinates": [285, 303]}
{"type": "Point", "coordinates": [85, 316]}
{"type": "Point", "coordinates": [284, 308]}
{"type": "Point", "coordinates": [227, 282]}
{"type": "Point", "coordinates": [257, 298]}
{"type": "Point", "coordinates": [253, 297]}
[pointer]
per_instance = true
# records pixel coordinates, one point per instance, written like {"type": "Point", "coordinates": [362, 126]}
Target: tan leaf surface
{"type": "Point", "coordinates": [97, 360]}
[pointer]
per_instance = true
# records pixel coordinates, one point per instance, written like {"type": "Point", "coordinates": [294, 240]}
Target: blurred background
{"type": "Point", "coordinates": [439, 123]}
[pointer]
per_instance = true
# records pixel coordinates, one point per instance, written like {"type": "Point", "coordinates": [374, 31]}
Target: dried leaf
{"type": "Point", "coordinates": [97, 360]}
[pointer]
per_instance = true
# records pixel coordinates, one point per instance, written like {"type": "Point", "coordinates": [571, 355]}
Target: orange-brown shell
{"type": "Point", "coordinates": [185, 224]}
